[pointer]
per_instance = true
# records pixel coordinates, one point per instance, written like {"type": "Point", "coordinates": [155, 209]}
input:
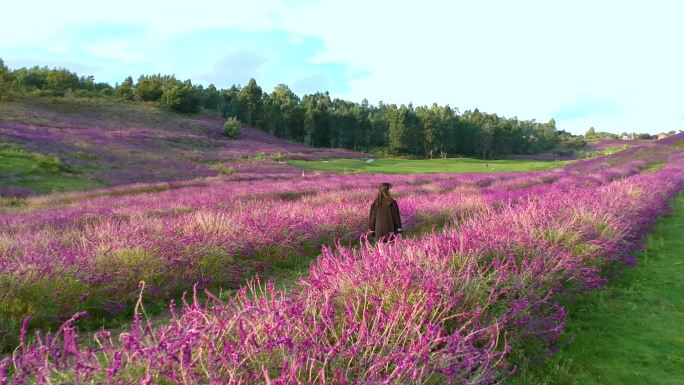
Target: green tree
{"type": "Point", "coordinates": [379, 126]}
{"type": "Point", "coordinates": [402, 138]}
{"type": "Point", "coordinates": [27, 79]}
{"type": "Point", "coordinates": [433, 122]}
{"type": "Point", "coordinates": [317, 119]}
{"type": "Point", "coordinates": [591, 134]}
{"type": "Point", "coordinates": [210, 97]}
{"type": "Point", "coordinates": [181, 98]}
{"type": "Point", "coordinates": [284, 114]}
{"type": "Point", "coordinates": [250, 100]}
{"type": "Point", "coordinates": [228, 103]}
{"type": "Point", "coordinates": [149, 88]}
{"type": "Point", "coordinates": [87, 83]}
{"type": "Point", "coordinates": [60, 80]}
{"type": "Point", "coordinates": [125, 89]}
{"type": "Point", "coordinates": [361, 137]}
{"type": "Point", "coordinates": [574, 142]}
{"type": "Point", "coordinates": [4, 84]}
{"type": "Point", "coordinates": [309, 124]}
{"type": "Point", "coordinates": [274, 120]}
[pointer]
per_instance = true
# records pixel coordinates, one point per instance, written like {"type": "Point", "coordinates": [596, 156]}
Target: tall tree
{"type": "Point", "coordinates": [210, 97]}
{"type": "Point", "coordinates": [250, 99]}
{"type": "Point", "coordinates": [404, 131]}
{"type": "Point", "coordinates": [283, 104]}
{"type": "Point", "coordinates": [228, 103]}
{"type": "Point", "coordinates": [4, 86]}
{"type": "Point", "coordinates": [591, 133]}
{"type": "Point", "coordinates": [125, 89]}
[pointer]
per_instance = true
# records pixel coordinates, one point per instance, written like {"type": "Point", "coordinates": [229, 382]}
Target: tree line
{"type": "Point", "coordinates": [592, 134]}
{"type": "Point", "coordinates": [317, 119]}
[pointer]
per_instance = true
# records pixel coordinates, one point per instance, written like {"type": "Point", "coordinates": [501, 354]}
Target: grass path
{"type": "Point", "coordinates": [632, 331]}
{"type": "Point", "coordinates": [413, 166]}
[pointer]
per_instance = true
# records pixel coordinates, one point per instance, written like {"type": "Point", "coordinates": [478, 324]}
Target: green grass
{"type": "Point", "coordinates": [603, 152]}
{"type": "Point", "coordinates": [654, 167]}
{"type": "Point", "coordinates": [37, 172]}
{"type": "Point", "coordinates": [411, 166]}
{"type": "Point", "coordinates": [632, 331]}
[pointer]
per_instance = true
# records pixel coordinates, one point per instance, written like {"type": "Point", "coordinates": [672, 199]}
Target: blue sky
{"type": "Point", "coordinates": [614, 65]}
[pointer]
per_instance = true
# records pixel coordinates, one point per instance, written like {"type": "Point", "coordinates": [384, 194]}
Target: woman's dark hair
{"type": "Point", "coordinates": [384, 195]}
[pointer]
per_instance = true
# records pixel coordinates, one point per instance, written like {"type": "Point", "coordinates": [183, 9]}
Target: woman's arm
{"type": "Point", "coordinates": [396, 217]}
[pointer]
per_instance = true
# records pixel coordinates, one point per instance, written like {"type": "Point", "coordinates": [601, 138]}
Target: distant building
{"type": "Point", "coordinates": [663, 135]}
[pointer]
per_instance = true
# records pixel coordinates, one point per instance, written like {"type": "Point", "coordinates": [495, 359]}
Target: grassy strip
{"type": "Point", "coordinates": [629, 332]}
{"type": "Point", "coordinates": [654, 167]}
{"type": "Point", "coordinates": [412, 166]}
{"type": "Point", "coordinates": [37, 172]}
{"type": "Point", "coordinates": [603, 152]}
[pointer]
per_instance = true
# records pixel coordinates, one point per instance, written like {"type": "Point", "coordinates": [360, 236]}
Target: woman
{"type": "Point", "coordinates": [384, 220]}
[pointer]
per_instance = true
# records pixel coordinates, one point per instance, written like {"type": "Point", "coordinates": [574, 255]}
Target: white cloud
{"type": "Point", "coordinates": [122, 50]}
{"type": "Point", "coordinates": [235, 68]}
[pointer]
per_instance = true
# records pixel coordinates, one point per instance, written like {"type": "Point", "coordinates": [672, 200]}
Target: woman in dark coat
{"type": "Point", "coordinates": [384, 220]}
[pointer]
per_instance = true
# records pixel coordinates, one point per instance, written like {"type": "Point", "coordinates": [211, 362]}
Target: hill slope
{"type": "Point", "coordinates": [51, 145]}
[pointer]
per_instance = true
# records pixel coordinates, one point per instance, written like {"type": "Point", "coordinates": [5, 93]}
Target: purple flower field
{"type": "Point", "coordinates": [448, 306]}
{"type": "Point", "coordinates": [676, 139]}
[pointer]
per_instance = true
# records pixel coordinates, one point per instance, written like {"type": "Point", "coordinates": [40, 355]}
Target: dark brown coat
{"type": "Point", "coordinates": [384, 219]}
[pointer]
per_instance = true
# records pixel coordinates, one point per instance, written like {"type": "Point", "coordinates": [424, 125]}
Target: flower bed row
{"type": "Point", "coordinates": [446, 307]}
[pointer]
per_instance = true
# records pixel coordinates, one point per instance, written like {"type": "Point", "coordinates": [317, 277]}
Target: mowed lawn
{"type": "Point", "coordinates": [632, 331]}
{"type": "Point", "coordinates": [413, 166]}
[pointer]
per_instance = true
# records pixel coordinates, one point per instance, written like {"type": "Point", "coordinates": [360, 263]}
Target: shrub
{"type": "Point", "coordinates": [231, 128]}
{"type": "Point", "coordinates": [222, 169]}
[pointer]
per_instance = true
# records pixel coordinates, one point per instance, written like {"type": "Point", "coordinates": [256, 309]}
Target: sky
{"type": "Point", "coordinates": [613, 65]}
